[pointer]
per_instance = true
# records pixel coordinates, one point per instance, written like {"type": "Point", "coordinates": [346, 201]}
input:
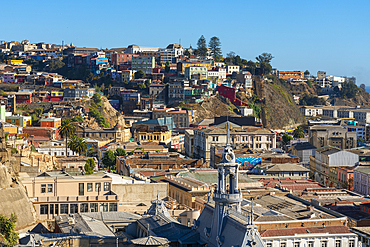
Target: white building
{"type": "Point", "coordinates": [55, 148]}
{"type": "Point", "coordinates": [138, 49]}
{"type": "Point", "coordinates": [361, 180]}
{"type": "Point", "coordinates": [328, 236]}
{"type": "Point", "coordinates": [172, 51]}
{"type": "Point", "coordinates": [254, 137]}
{"type": "Point", "coordinates": [232, 68]}
{"type": "Point", "coordinates": [311, 111]}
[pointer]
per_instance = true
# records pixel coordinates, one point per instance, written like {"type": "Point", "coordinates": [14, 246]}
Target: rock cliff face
{"type": "Point", "coordinates": [111, 114]}
{"type": "Point", "coordinates": [211, 107]}
{"type": "Point", "coordinates": [14, 200]}
{"type": "Point", "coordinates": [13, 197]}
{"type": "Point", "coordinates": [279, 109]}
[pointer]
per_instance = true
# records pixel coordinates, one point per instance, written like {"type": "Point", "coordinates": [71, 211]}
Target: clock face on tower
{"type": "Point", "coordinates": [229, 157]}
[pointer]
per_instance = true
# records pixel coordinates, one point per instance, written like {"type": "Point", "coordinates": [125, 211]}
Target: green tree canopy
{"type": "Point", "coordinates": [167, 67]}
{"type": "Point", "coordinates": [120, 152]}
{"type": "Point", "coordinates": [7, 229]}
{"type": "Point", "coordinates": [264, 60]}
{"type": "Point", "coordinates": [78, 145]}
{"type": "Point", "coordinates": [187, 53]}
{"type": "Point", "coordinates": [66, 129]}
{"type": "Point", "coordinates": [89, 166]}
{"type": "Point", "coordinates": [286, 139]}
{"type": "Point", "coordinates": [215, 46]}
{"type": "Point", "coordinates": [299, 132]}
{"type": "Point", "coordinates": [109, 159]}
{"type": "Point", "coordinates": [140, 74]}
{"type": "Point", "coordinates": [202, 46]}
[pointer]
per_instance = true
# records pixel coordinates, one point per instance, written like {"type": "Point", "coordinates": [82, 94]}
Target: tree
{"type": "Point", "coordinates": [202, 46]}
{"type": "Point", "coordinates": [7, 230]}
{"type": "Point", "coordinates": [309, 83]}
{"type": "Point", "coordinates": [78, 145]}
{"type": "Point", "coordinates": [362, 86]}
{"type": "Point", "coordinates": [299, 132]}
{"type": "Point", "coordinates": [109, 159]}
{"type": "Point", "coordinates": [77, 119]}
{"type": "Point", "coordinates": [307, 73]}
{"type": "Point", "coordinates": [66, 129]}
{"type": "Point", "coordinates": [264, 60]}
{"type": "Point", "coordinates": [286, 139]}
{"type": "Point", "coordinates": [187, 53]}
{"type": "Point", "coordinates": [89, 166]}
{"type": "Point", "coordinates": [39, 111]}
{"type": "Point", "coordinates": [167, 67]}
{"type": "Point", "coordinates": [120, 152]}
{"type": "Point", "coordinates": [215, 46]}
{"type": "Point", "coordinates": [139, 74]}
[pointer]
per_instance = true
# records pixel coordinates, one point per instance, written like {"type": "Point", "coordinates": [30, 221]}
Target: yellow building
{"type": "Point", "coordinates": [11, 129]}
{"type": "Point", "coordinates": [55, 193]}
{"type": "Point", "coordinates": [156, 135]}
{"type": "Point", "coordinates": [182, 65]}
{"type": "Point", "coordinates": [14, 61]}
{"type": "Point", "coordinates": [70, 84]}
{"type": "Point", "coordinates": [55, 93]}
{"type": "Point", "coordinates": [185, 190]}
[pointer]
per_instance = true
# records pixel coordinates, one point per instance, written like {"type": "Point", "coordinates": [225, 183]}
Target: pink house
{"type": "Point", "coordinates": [345, 177]}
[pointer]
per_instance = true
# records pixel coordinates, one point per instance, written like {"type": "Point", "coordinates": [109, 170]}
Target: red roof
{"type": "Point", "coordinates": [305, 230]}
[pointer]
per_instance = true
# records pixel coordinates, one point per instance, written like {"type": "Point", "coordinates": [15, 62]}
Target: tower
{"type": "Point", "coordinates": [227, 195]}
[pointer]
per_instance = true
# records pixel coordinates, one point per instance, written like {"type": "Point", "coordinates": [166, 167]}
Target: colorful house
{"type": "Point", "coordinates": [21, 121]}
{"type": "Point", "coordinates": [51, 122]}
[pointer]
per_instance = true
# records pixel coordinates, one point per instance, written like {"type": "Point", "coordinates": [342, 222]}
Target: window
{"type": "Point", "coordinates": [106, 186]}
{"type": "Point", "coordinates": [63, 208]}
{"type": "Point", "coordinates": [269, 245]}
{"type": "Point", "coordinates": [310, 244]}
{"type": "Point", "coordinates": [74, 208]}
{"type": "Point", "coordinates": [296, 244]}
{"type": "Point", "coordinates": [113, 207]}
{"type": "Point", "coordinates": [351, 243]}
{"type": "Point", "coordinates": [44, 209]}
{"type": "Point", "coordinates": [56, 209]}
{"type": "Point", "coordinates": [97, 186]}
{"type": "Point", "coordinates": [104, 207]}
{"type": "Point", "coordinates": [324, 243]}
{"type": "Point", "coordinates": [51, 208]}
{"type": "Point", "coordinates": [338, 243]}
{"type": "Point", "coordinates": [93, 207]}
{"type": "Point", "coordinates": [89, 187]}
{"type": "Point", "coordinates": [282, 244]}
{"type": "Point", "coordinates": [50, 188]}
{"type": "Point", "coordinates": [43, 188]}
{"type": "Point", "coordinates": [84, 207]}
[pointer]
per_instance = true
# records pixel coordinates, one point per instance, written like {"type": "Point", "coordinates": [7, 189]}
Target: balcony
{"type": "Point", "coordinates": [75, 198]}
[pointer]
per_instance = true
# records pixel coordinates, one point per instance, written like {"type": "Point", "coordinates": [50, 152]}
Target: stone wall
{"type": "Point", "coordinates": [140, 192]}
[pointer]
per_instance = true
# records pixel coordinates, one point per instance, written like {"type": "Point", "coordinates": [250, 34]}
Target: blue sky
{"type": "Point", "coordinates": [316, 35]}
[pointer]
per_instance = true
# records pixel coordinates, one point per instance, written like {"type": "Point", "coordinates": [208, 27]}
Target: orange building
{"type": "Point", "coordinates": [291, 74]}
{"type": "Point", "coordinates": [53, 122]}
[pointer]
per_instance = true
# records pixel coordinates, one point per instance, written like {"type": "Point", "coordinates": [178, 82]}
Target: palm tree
{"type": "Point", "coordinates": [67, 129]}
{"type": "Point", "coordinates": [299, 132]}
{"type": "Point", "coordinates": [78, 145]}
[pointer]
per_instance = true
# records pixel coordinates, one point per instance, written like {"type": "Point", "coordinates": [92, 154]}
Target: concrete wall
{"type": "Point", "coordinates": [140, 192]}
